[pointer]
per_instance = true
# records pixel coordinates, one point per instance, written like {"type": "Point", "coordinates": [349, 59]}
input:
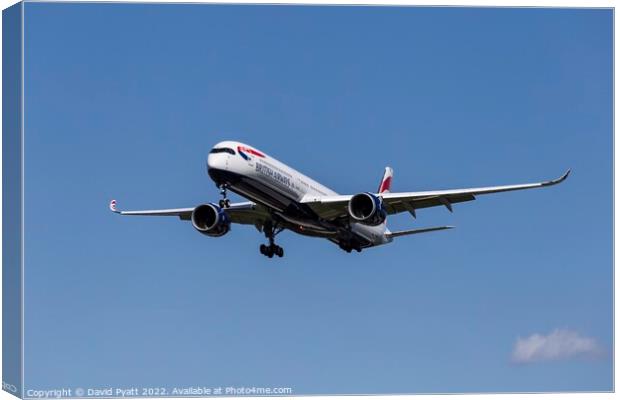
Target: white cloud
{"type": "Point", "coordinates": [560, 344]}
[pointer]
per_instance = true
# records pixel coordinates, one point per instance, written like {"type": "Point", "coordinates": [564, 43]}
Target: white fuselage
{"type": "Point", "coordinates": [255, 175]}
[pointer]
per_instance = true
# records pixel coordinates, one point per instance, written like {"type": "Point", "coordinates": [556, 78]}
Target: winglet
{"type": "Point", "coordinates": [558, 180]}
{"type": "Point", "coordinates": [113, 207]}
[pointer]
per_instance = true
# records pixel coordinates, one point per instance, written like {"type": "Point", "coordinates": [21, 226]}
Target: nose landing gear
{"type": "Point", "coordinates": [224, 202]}
{"type": "Point", "coordinates": [271, 249]}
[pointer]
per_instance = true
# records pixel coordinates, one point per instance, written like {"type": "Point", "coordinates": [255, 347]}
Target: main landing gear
{"type": "Point", "coordinates": [271, 249]}
{"type": "Point", "coordinates": [224, 202]}
{"type": "Point", "coordinates": [348, 247]}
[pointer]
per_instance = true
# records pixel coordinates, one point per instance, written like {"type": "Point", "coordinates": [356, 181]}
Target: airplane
{"type": "Point", "coordinates": [282, 198]}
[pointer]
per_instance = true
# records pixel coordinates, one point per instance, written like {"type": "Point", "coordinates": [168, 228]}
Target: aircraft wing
{"type": "Point", "coordinates": [247, 213]}
{"type": "Point", "coordinates": [331, 207]}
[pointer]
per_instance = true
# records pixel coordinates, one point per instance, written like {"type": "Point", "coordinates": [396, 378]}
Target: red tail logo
{"type": "Point", "coordinates": [386, 182]}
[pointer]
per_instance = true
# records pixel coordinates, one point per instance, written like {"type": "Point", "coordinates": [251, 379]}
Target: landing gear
{"type": "Point", "coordinates": [348, 247]}
{"type": "Point", "coordinates": [224, 202]}
{"type": "Point", "coordinates": [271, 249]}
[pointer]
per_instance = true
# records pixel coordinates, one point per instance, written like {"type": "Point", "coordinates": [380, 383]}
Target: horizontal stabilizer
{"type": "Point", "coordinates": [420, 230]}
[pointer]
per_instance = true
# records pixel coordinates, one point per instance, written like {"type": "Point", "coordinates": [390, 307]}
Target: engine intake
{"type": "Point", "coordinates": [367, 209]}
{"type": "Point", "coordinates": [210, 220]}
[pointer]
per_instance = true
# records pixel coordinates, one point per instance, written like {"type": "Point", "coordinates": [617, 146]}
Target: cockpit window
{"type": "Point", "coordinates": [222, 150]}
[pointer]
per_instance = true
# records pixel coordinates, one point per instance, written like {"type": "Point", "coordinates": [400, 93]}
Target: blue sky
{"type": "Point", "coordinates": [125, 101]}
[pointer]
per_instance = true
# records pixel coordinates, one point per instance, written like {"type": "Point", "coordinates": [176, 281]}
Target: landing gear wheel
{"type": "Point", "coordinates": [271, 249]}
{"type": "Point", "coordinates": [279, 251]}
{"type": "Point", "coordinates": [349, 247]}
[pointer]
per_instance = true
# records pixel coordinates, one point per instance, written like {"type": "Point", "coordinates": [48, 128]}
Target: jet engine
{"type": "Point", "coordinates": [210, 220]}
{"type": "Point", "coordinates": [367, 209]}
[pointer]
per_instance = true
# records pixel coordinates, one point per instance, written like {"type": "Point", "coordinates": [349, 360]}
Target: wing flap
{"type": "Point", "coordinates": [474, 191]}
{"type": "Point", "coordinates": [401, 205]}
{"type": "Point", "coordinates": [247, 213]}
{"type": "Point", "coordinates": [183, 213]}
{"type": "Point", "coordinates": [332, 207]}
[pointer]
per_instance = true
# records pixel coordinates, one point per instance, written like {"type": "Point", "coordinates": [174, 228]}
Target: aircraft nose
{"type": "Point", "coordinates": [216, 161]}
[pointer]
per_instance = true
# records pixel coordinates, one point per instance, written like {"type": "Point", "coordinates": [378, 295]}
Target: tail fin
{"type": "Point", "coordinates": [386, 182]}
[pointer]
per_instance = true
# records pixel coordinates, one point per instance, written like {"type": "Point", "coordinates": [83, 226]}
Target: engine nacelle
{"type": "Point", "coordinates": [210, 220]}
{"type": "Point", "coordinates": [367, 209]}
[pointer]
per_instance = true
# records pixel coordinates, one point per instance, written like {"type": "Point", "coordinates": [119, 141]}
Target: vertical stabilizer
{"type": "Point", "coordinates": [386, 182]}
